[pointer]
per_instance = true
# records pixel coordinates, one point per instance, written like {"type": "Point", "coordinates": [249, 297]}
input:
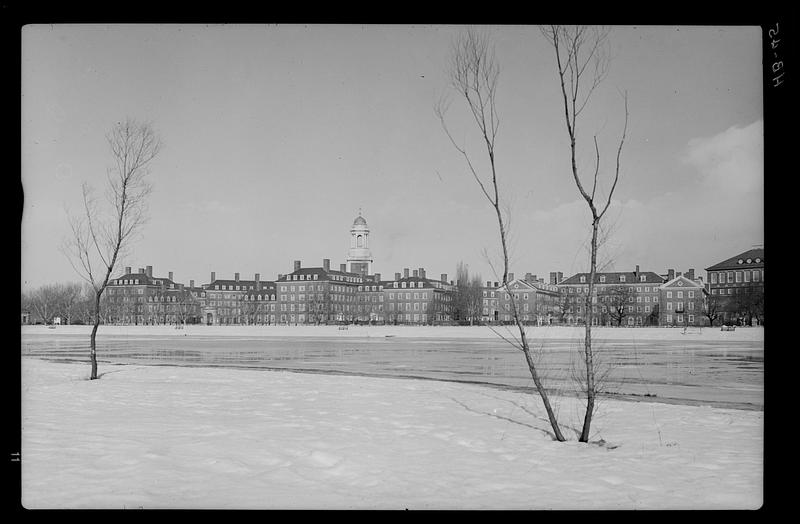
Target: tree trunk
{"type": "Point", "coordinates": [539, 386]}
{"type": "Point", "coordinates": [93, 338]}
{"type": "Point", "coordinates": [587, 348]}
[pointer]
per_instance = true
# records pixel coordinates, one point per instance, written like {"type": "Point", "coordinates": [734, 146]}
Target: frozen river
{"type": "Point", "coordinates": [719, 373]}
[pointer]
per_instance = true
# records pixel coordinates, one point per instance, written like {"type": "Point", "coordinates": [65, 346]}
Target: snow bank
{"type": "Point", "coordinates": [171, 437]}
{"type": "Point", "coordinates": [548, 332]}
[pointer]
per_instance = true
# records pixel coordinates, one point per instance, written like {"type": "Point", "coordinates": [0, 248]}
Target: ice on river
{"type": "Point", "coordinates": [191, 437]}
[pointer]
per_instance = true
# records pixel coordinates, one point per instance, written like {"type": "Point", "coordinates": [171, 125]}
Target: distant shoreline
{"type": "Point", "coordinates": [743, 334]}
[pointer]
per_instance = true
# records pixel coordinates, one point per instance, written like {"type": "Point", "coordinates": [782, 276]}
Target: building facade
{"type": "Point", "coordinates": [736, 288]}
{"type": "Point", "coordinates": [619, 298]}
{"type": "Point", "coordinates": [683, 300]}
{"type": "Point", "coordinates": [237, 301]}
{"type": "Point", "coordinates": [536, 302]}
{"type": "Point", "coordinates": [141, 298]}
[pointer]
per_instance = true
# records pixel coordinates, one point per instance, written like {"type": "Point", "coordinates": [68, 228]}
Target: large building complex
{"type": "Point", "coordinates": [353, 292]}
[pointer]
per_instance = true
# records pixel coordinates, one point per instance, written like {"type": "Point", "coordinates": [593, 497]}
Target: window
{"type": "Point", "coordinates": [680, 294]}
{"type": "Point", "coordinates": [622, 278]}
{"type": "Point", "coordinates": [647, 309]}
{"type": "Point", "coordinates": [602, 278]}
{"type": "Point", "coordinates": [713, 278]}
{"type": "Point", "coordinates": [691, 319]}
{"type": "Point", "coordinates": [638, 289]}
{"type": "Point", "coordinates": [738, 276]}
{"type": "Point", "coordinates": [730, 277]}
{"type": "Point", "coordinates": [669, 306]}
{"type": "Point", "coordinates": [669, 294]}
{"type": "Point", "coordinates": [669, 319]}
{"type": "Point", "coordinates": [755, 275]}
{"type": "Point", "coordinates": [583, 279]}
{"type": "Point", "coordinates": [643, 278]}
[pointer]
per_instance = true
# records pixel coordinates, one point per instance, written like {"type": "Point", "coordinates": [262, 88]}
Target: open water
{"type": "Point", "coordinates": [718, 373]}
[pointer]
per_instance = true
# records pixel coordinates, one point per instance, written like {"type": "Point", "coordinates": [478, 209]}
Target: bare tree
{"type": "Point", "coordinates": [101, 236]}
{"type": "Point", "coordinates": [468, 297]}
{"type": "Point", "coordinates": [618, 299]}
{"type": "Point", "coordinates": [43, 301]}
{"type": "Point", "coordinates": [582, 66]}
{"type": "Point", "coordinates": [473, 75]}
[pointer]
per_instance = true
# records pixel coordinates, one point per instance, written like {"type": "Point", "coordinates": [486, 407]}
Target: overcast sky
{"type": "Point", "coordinates": [275, 136]}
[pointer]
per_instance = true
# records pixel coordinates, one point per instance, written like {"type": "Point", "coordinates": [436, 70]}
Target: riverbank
{"type": "Point", "coordinates": [473, 332]}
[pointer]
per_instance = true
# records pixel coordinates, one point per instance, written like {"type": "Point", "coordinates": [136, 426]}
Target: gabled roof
{"type": "Point", "coordinates": [683, 282]}
{"type": "Point", "coordinates": [733, 263]}
{"type": "Point", "coordinates": [631, 277]}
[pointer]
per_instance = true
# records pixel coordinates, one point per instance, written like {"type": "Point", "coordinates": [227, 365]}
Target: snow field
{"type": "Point", "coordinates": [176, 437]}
{"type": "Point", "coordinates": [478, 332]}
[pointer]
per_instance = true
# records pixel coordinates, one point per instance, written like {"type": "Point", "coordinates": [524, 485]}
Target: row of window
{"type": "Point", "coordinates": [730, 277]}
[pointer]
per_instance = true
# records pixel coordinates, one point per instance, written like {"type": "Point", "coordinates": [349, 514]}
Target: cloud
{"type": "Point", "coordinates": [731, 161]}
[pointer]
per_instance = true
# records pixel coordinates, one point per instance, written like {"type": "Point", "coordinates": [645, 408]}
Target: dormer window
{"type": "Point", "coordinates": [602, 278]}
{"type": "Point", "coordinates": [583, 279]}
{"type": "Point", "coordinates": [642, 278]}
{"type": "Point", "coordinates": [622, 278]}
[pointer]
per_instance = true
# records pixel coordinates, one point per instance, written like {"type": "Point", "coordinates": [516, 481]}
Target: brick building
{"type": "Point", "coordinates": [620, 298]}
{"type": "Point", "coordinates": [682, 298]}
{"type": "Point", "coordinates": [413, 298]}
{"type": "Point", "coordinates": [238, 301]}
{"type": "Point", "coordinates": [536, 302]}
{"type": "Point", "coordinates": [736, 288]}
{"type": "Point", "coordinates": [141, 298]}
{"type": "Point", "coordinates": [318, 295]}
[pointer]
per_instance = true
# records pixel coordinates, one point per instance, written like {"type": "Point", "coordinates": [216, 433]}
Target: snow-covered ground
{"type": "Point", "coordinates": [545, 332]}
{"type": "Point", "coordinates": [178, 437]}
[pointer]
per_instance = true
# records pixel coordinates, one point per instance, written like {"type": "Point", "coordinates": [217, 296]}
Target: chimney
{"type": "Point", "coordinates": [510, 277]}
{"type": "Point", "coordinates": [170, 276]}
{"type": "Point", "coordinates": [280, 276]}
{"type": "Point", "coordinates": [127, 270]}
{"type": "Point", "coordinates": [670, 274]}
{"type": "Point", "coordinates": [326, 264]}
{"type": "Point", "coordinates": [678, 274]}
{"type": "Point", "coordinates": [529, 277]}
{"type": "Point", "coordinates": [488, 284]}
{"type": "Point", "coordinates": [236, 277]}
{"type": "Point", "coordinates": [541, 280]}
{"type": "Point", "coordinates": [141, 271]}
{"type": "Point", "coordinates": [496, 284]}
{"type": "Point", "coordinates": [377, 277]}
{"type": "Point", "coordinates": [213, 277]}
{"type": "Point", "coordinates": [150, 271]}
{"type": "Point", "coordinates": [405, 272]}
{"type": "Point", "coordinates": [637, 269]}
{"type": "Point", "coordinates": [258, 277]}
{"type": "Point", "coordinates": [397, 276]}
{"type": "Point", "coordinates": [444, 277]}
{"type": "Point", "coordinates": [191, 283]}
{"type": "Point", "coordinates": [553, 278]}
{"type": "Point", "coordinates": [421, 273]}
{"type": "Point", "coordinates": [296, 265]}
{"type": "Point", "coordinates": [416, 273]}
{"type": "Point", "coordinates": [343, 268]}
{"type": "Point", "coordinates": [690, 274]}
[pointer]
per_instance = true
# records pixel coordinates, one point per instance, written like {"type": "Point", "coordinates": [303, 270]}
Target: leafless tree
{"type": "Point", "coordinates": [618, 299]}
{"type": "Point", "coordinates": [43, 301]}
{"type": "Point", "coordinates": [101, 235]}
{"type": "Point", "coordinates": [474, 73]}
{"type": "Point", "coordinates": [68, 299]}
{"type": "Point", "coordinates": [582, 65]}
{"type": "Point", "coordinates": [468, 296]}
